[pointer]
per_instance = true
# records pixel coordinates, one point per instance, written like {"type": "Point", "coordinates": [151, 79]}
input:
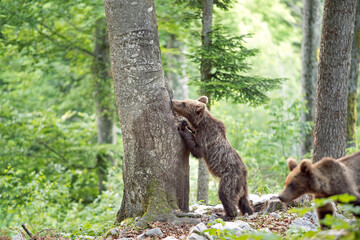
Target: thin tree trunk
{"type": "Point", "coordinates": [353, 81]}
{"type": "Point", "coordinates": [205, 71]}
{"type": "Point", "coordinates": [332, 91]}
{"type": "Point", "coordinates": [152, 145]}
{"type": "Point", "coordinates": [311, 21]}
{"type": "Point", "coordinates": [105, 111]}
{"type": "Point", "coordinates": [176, 73]}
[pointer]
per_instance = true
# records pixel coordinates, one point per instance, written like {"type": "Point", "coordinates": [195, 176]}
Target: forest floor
{"type": "Point", "coordinates": [277, 223]}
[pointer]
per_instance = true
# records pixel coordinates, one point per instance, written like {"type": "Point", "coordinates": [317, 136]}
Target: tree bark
{"type": "Point", "coordinates": [353, 81]}
{"type": "Point", "coordinates": [105, 111]}
{"type": "Point", "coordinates": [311, 20]}
{"type": "Point", "coordinates": [332, 91]}
{"type": "Point", "coordinates": [205, 71]}
{"type": "Point", "coordinates": [176, 74]}
{"type": "Point", "coordinates": [152, 146]}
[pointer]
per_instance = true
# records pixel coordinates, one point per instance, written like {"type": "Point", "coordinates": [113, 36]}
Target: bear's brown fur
{"type": "Point", "coordinates": [207, 140]}
{"type": "Point", "coordinates": [323, 179]}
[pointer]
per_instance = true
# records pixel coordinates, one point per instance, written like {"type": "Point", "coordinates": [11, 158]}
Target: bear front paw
{"type": "Point", "coordinates": [182, 125]}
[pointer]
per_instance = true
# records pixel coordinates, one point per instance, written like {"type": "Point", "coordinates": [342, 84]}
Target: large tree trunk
{"type": "Point", "coordinates": [310, 42]}
{"type": "Point", "coordinates": [178, 82]}
{"type": "Point", "coordinates": [176, 73]}
{"type": "Point", "coordinates": [332, 91]}
{"type": "Point", "coordinates": [105, 111]}
{"type": "Point", "coordinates": [152, 145]}
{"type": "Point", "coordinates": [205, 71]}
{"type": "Point", "coordinates": [353, 81]}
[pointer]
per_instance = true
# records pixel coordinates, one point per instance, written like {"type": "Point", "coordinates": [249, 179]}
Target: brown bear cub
{"type": "Point", "coordinates": [205, 137]}
{"type": "Point", "coordinates": [323, 179]}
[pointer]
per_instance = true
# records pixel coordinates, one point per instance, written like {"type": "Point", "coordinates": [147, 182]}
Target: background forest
{"type": "Point", "coordinates": [60, 137]}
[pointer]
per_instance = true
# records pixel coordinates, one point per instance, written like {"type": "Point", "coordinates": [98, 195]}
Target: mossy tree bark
{"type": "Point", "coordinates": [105, 110]}
{"type": "Point", "coordinates": [311, 20]}
{"type": "Point", "coordinates": [332, 89]}
{"type": "Point", "coordinates": [353, 81]}
{"type": "Point", "coordinates": [152, 146]}
{"type": "Point", "coordinates": [205, 71]}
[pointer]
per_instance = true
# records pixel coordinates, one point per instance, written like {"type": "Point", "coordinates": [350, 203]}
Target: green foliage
{"type": "Point", "coordinates": [228, 57]}
{"type": "Point", "coordinates": [196, 4]}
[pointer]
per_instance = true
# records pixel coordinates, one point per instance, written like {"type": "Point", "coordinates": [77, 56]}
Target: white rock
{"type": "Point", "coordinates": [195, 236]}
{"type": "Point", "coordinates": [255, 199]}
{"type": "Point", "coordinates": [275, 215]}
{"type": "Point", "coordinates": [219, 206]}
{"type": "Point", "coordinates": [237, 227]}
{"type": "Point", "coordinates": [19, 237]}
{"type": "Point", "coordinates": [304, 224]}
{"type": "Point", "coordinates": [198, 228]}
{"type": "Point", "coordinates": [312, 215]}
{"type": "Point", "coordinates": [151, 233]}
{"type": "Point", "coordinates": [114, 232]}
{"type": "Point", "coordinates": [154, 232]}
{"type": "Point", "coordinates": [267, 230]}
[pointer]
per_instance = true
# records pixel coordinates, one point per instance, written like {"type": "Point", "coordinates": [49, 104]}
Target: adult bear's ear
{"type": "Point", "coordinates": [203, 99]}
{"type": "Point", "coordinates": [291, 162]}
{"type": "Point", "coordinates": [200, 107]}
{"type": "Point", "coordinates": [305, 166]}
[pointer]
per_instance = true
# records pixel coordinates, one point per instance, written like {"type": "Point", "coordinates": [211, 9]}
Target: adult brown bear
{"type": "Point", "coordinates": [325, 178]}
{"type": "Point", "coordinates": [205, 137]}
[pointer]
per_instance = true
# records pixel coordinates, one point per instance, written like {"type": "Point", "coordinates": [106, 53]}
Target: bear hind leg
{"type": "Point", "coordinates": [228, 198]}
{"type": "Point", "coordinates": [244, 205]}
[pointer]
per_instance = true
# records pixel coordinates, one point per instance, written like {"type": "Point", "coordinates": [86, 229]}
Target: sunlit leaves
{"type": "Point", "coordinates": [228, 56]}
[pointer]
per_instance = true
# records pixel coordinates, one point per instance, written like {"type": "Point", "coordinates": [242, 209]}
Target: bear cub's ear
{"type": "Point", "coordinates": [305, 166]}
{"type": "Point", "coordinates": [203, 99]}
{"type": "Point", "coordinates": [291, 162]}
{"type": "Point", "coordinates": [200, 107]}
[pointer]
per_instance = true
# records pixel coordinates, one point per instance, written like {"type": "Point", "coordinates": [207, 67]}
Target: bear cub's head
{"type": "Point", "coordinates": [299, 180]}
{"type": "Point", "coordinates": [190, 109]}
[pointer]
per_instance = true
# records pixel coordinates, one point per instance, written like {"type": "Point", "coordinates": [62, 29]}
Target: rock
{"type": "Point", "coordinates": [301, 201]}
{"type": "Point", "coordinates": [312, 216]}
{"type": "Point", "coordinates": [199, 209]}
{"type": "Point", "coordinates": [19, 237]}
{"type": "Point", "coordinates": [253, 198]}
{"type": "Point", "coordinates": [218, 206]}
{"type": "Point", "coordinates": [115, 232]}
{"type": "Point", "coordinates": [151, 233]}
{"type": "Point", "coordinates": [123, 239]}
{"type": "Point", "coordinates": [202, 209]}
{"type": "Point", "coordinates": [189, 215]}
{"type": "Point", "coordinates": [170, 238]}
{"type": "Point", "coordinates": [275, 215]}
{"type": "Point", "coordinates": [276, 204]}
{"type": "Point", "coordinates": [180, 221]}
{"type": "Point", "coordinates": [212, 217]}
{"type": "Point", "coordinates": [267, 230]}
{"type": "Point", "coordinates": [304, 224]}
{"type": "Point", "coordinates": [266, 203]}
{"type": "Point", "coordinates": [254, 215]}
{"type": "Point", "coordinates": [237, 227]}
{"type": "Point", "coordinates": [331, 234]}
{"type": "Point", "coordinates": [194, 236]}
{"type": "Point", "coordinates": [198, 229]}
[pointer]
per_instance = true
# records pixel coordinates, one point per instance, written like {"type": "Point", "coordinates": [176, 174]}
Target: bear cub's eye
{"type": "Point", "coordinates": [184, 104]}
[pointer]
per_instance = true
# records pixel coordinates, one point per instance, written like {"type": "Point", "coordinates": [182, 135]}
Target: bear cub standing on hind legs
{"type": "Point", "coordinates": [206, 139]}
{"type": "Point", "coordinates": [323, 179]}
